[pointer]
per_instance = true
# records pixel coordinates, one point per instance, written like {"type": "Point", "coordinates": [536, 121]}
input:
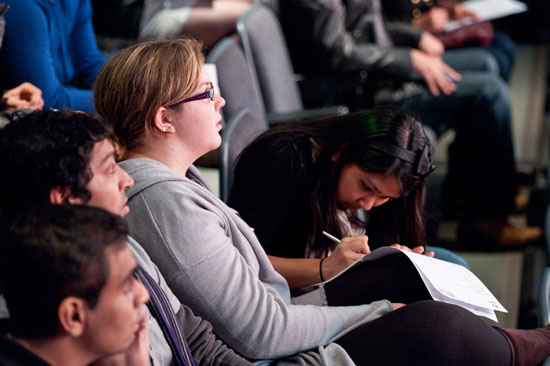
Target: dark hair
{"type": "Point", "coordinates": [50, 253]}
{"type": "Point", "coordinates": [43, 150]}
{"type": "Point", "coordinates": [389, 141]}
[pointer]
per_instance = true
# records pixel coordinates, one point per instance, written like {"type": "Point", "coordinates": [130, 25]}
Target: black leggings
{"type": "Point", "coordinates": [427, 333]}
{"type": "Point", "coordinates": [393, 278]}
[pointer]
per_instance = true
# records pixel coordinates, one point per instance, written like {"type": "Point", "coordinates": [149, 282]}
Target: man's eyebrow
{"type": "Point", "coordinates": [108, 157]}
{"type": "Point", "coordinates": [131, 275]}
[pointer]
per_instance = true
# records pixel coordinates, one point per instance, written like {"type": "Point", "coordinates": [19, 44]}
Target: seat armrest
{"type": "Point", "coordinates": [277, 118]}
{"type": "Point", "coordinates": [544, 298]}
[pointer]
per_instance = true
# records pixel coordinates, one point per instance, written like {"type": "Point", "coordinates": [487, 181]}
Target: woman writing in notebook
{"type": "Point", "coordinates": [213, 260]}
{"type": "Point", "coordinates": [348, 175]}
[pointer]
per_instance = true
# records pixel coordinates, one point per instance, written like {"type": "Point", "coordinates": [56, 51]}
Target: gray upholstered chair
{"type": "Point", "coordinates": [239, 133]}
{"type": "Point", "coordinates": [236, 81]}
{"type": "Point", "coordinates": [267, 54]}
{"type": "Point", "coordinates": [544, 294]}
{"type": "Point", "coordinates": [243, 112]}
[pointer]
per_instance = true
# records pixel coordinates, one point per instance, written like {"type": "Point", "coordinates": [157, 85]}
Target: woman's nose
{"type": "Point", "coordinates": [367, 203]}
{"type": "Point", "coordinates": [219, 102]}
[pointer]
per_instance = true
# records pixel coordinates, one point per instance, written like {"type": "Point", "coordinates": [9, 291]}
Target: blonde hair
{"type": "Point", "coordinates": [137, 81]}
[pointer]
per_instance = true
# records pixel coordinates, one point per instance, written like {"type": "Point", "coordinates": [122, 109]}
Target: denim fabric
{"type": "Point", "coordinates": [481, 160]}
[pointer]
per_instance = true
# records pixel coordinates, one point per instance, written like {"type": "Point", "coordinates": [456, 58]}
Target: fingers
{"type": "Point", "coordinates": [438, 83]}
{"type": "Point", "coordinates": [468, 13]}
{"type": "Point", "coordinates": [439, 76]}
{"type": "Point", "coordinates": [14, 102]}
{"type": "Point", "coordinates": [439, 18]}
{"type": "Point", "coordinates": [139, 353]}
{"type": "Point", "coordinates": [403, 247]}
{"type": "Point", "coordinates": [349, 250]}
{"type": "Point", "coordinates": [34, 96]}
{"type": "Point", "coordinates": [445, 83]}
{"type": "Point", "coordinates": [452, 73]}
{"type": "Point", "coordinates": [418, 249]}
{"type": "Point", "coordinates": [25, 95]}
{"type": "Point", "coordinates": [37, 102]}
{"type": "Point", "coordinates": [460, 12]}
{"type": "Point", "coordinates": [397, 305]}
{"type": "Point", "coordinates": [430, 44]}
{"type": "Point", "coordinates": [446, 79]}
{"type": "Point", "coordinates": [358, 244]}
{"type": "Point", "coordinates": [433, 84]}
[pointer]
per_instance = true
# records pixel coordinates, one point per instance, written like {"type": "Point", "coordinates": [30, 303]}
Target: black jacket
{"type": "Point", "coordinates": [340, 36]}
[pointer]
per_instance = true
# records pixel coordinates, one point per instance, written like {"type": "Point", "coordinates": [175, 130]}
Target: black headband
{"type": "Point", "coordinates": [419, 159]}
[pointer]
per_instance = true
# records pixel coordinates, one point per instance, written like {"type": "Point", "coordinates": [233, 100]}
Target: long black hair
{"type": "Point", "coordinates": [388, 141]}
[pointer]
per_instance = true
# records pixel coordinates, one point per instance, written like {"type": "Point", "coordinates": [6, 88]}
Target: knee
{"type": "Point", "coordinates": [488, 62]}
{"type": "Point", "coordinates": [493, 93]}
{"type": "Point", "coordinates": [491, 64]}
{"type": "Point", "coordinates": [447, 326]}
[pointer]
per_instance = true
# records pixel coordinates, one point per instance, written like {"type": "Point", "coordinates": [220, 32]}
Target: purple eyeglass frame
{"type": "Point", "coordinates": [209, 94]}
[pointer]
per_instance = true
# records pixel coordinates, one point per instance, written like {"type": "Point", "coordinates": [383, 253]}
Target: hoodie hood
{"type": "Point", "coordinates": [148, 172]}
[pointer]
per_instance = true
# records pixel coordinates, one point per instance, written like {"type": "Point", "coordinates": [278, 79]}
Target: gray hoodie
{"type": "Point", "coordinates": [213, 262]}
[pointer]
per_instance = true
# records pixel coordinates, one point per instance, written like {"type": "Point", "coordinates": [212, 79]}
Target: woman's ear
{"type": "Point", "coordinates": [72, 314]}
{"type": "Point", "coordinates": [336, 156]}
{"type": "Point", "coordinates": [163, 121]}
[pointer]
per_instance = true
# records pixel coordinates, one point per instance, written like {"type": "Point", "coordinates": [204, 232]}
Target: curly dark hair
{"type": "Point", "coordinates": [43, 150]}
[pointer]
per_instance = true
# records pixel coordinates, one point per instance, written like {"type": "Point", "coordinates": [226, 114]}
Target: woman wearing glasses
{"type": "Point", "coordinates": [213, 260]}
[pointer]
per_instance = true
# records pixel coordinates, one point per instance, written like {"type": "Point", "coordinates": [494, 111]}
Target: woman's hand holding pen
{"type": "Point", "coordinates": [348, 251]}
{"type": "Point", "coordinates": [418, 249]}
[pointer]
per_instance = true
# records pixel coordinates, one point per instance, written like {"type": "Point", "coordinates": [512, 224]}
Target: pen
{"type": "Point", "coordinates": [331, 237]}
{"type": "Point", "coordinates": [450, 78]}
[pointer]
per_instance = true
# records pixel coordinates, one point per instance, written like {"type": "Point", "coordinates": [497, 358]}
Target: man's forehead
{"type": "Point", "coordinates": [103, 150]}
{"type": "Point", "coordinates": [120, 254]}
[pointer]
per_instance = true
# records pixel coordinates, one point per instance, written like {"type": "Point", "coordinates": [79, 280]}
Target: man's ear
{"type": "Point", "coordinates": [72, 315]}
{"type": "Point", "coordinates": [163, 121]}
{"type": "Point", "coordinates": [59, 195]}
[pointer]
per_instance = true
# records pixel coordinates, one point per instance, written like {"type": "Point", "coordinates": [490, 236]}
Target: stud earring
{"type": "Point", "coordinates": [163, 128]}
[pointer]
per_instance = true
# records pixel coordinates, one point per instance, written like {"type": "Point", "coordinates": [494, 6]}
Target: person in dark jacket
{"type": "Point", "coordinates": [434, 16]}
{"type": "Point", "coordinates": [407, 68]}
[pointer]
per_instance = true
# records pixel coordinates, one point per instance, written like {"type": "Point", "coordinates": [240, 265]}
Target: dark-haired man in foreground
{"type": "Point", "coordinates": [66, 157]}
{"type": "Point", "coordinates": [69, 283]}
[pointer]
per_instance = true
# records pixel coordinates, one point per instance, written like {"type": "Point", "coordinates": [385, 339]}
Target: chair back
{"type": "Point", "coordinates": [237, 83]}
{"type": "Point", "coordinates": [266, 51]}
{"type": "Point", "coordinates": [239, 133]}
{"type": "Point", "coordinates": [544, 294]}
{"type": "Point", "coordinates": [244, 114]}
